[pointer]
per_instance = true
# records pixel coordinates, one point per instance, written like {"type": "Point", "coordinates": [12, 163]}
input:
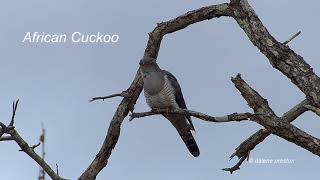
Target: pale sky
{"type": "Point", "coordinates": [55, 81]}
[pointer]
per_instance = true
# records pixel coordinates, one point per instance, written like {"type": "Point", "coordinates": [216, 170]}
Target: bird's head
{"type": "Point", "coordinates": [148, 64]}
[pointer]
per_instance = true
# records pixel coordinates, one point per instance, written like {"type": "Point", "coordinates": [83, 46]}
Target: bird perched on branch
{"type": "Point", "coordinates": [162, 91]}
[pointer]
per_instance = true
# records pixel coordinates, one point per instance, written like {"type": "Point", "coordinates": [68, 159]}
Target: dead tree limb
{"type": "Point", "coordinates": [280, 56]}
{"type": "Point", "coordinates": [249, 144]}
{"type": "Point", "coordinates": [29, 150]}
{"type": "Point", "coordinates": [267, 118]}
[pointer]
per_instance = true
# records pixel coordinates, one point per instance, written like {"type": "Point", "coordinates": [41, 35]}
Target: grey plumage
{"type": "Point", "coordinates": [162, 90]}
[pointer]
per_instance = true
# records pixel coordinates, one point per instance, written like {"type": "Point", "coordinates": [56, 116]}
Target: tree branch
{"type": "Point", "coordinates": [250, 143]}
{"type": "Point", "coordinates": [313, 109]}
{"type": "Point", "coordinates": [290, 39]}
{"type": "Point", "coordinates": [266, 117]}
{"type": "Point", "coordinates": [228, 118]}
{"type": "Point", "coordinates": [236, 166]}
{"type": "Point", "coordinates": [14, 135]}
{"type": "Point", "coordinates": [122, 94]}
{"type": "Point", "coordinates": [280, 56]}
{"type": "Point", "coordinates": [6, 138]}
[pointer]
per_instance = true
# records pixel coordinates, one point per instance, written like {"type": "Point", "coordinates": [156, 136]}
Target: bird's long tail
{"type": "Point", "coordinates": [184, 130]}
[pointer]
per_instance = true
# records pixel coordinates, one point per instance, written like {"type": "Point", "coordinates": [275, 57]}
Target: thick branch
{"type": "Point", "coordinates": [205, 117]}
{"type": "Point", "coordinates": [280, 56]}
{"type": "Point", "coordinates": [250, 143]}
{"type": "Point", "coordinates": [266, 117]}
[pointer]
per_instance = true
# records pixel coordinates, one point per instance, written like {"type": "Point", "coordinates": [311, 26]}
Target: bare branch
{"type": "Point", "coordinates": [294, 36]}
{"type": "Point", "coordinates": [313, 109]}
{"type": "Point", "coordinates": [6, 138]}
{"type": "Point", "coordinates": [14, 135]}
{"type": "Point", "coordinates": [122, 94]}
{"type": "Point", "coordinates": [30, 151]}
{"type": "Point", "coordinates": [33, 147]}
{"type": "Point", "coordinates": [266, 117]}
{"type": "Point", "coordinates": [250, 143]}
{"type": "Point", "coordinates": [236, 166]}
{"type": "Point", "coordinates": [14, 109]}
{"type": "Point", "coordinates": [280, 56]}
{"type": "Point", "coordinates": [36, 145]}
{"type": "Point", "coordinates": [205, 117]}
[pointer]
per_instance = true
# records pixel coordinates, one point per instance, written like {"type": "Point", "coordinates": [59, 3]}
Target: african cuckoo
{"type": "Point", "coordinates": [162, 91]}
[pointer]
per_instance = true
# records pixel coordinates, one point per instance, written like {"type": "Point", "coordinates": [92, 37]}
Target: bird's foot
{"type": "Point", "coordinates": [159, 110]}
{"type": "Point", "coordinates": [167, 110]}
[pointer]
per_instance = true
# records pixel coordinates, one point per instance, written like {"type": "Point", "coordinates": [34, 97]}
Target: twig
{"type": "Point", "coordinates": [236, 166]}
{"type": "Point", "coordinates": [14, 109]}
{"type": "Point", "coordinates": [36, 145]}
{"type": "Point", "coordinates": [122, 94]}
{"type": "Point", "coordinates": [202, 116]}
{"type": "Point", "coordinates": [294, 36]}
{"type": "Point", "coordinates": [6, 138]}
{"type": "Point", "coordinates": [33, 147]}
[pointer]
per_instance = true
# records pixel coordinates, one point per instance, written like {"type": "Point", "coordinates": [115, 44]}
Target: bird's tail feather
{"type": "Point", "coordinates": [184, 130]}
{"type": "Point", "coordinates": [190, 142]}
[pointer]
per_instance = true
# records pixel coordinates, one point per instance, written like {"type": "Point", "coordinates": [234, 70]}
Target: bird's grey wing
{"type": "Point", "coordinates": [178, 94]}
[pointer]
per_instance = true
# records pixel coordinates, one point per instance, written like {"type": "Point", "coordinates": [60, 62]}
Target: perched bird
{"type": "Point", "coordinates": [162, 91]}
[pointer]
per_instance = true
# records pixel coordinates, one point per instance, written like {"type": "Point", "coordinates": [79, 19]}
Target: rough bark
{"type": "Point", "coordinates": [255, 139]}
{"type": "Point", "coordinates": [267, 118]}
{"type": "Point", "coordinates": [280, 56]}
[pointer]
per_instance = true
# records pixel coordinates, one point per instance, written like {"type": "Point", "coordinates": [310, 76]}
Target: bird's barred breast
{"type": "Point", "coordinates": [165, 97]}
